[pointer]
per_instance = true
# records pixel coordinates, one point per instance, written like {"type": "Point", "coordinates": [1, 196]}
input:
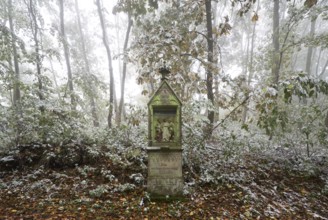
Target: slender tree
{"type": "Point", "coordinates": [66, 53]}
{"type": "Point", "coordinates": [16, 88]}
{"type": "Point", "coordinates": [118, 43]}
{"type": "Point", "coordinates": [16, 74]}
{"type": "Point", "coordinates": [246, 72]}
{"type": "Point", "coordinates": [216, 55]}
{"type": "Point", "coordinates": [321, 75]}
{"type": "Point", "coordinates": [318, 62]}
{"type": "Point", "coordinates": [275, 41]}
{"type": "Point", "coordinates": [110, 67]}
{"type": "Point", "coordinates": [36, 38]}
{"type": "Point", "coordinates": [90, 84]}
{"type": "Point", "coordinates": [310, 48]}
{"type": "Point", "coordinates": [251, 60]}
{"type": "Point", "coordinates": [54, 78]}
{"type": "Point", "coordinates": [126, 41]}
{"type": "Point", "coordinates": [210, 59]}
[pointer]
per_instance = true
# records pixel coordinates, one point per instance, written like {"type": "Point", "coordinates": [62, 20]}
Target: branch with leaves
{"type": "Point", "coordinates": [208, 134]}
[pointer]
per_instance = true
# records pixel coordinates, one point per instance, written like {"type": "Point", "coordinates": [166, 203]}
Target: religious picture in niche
{"type": "Point", "coordinates": [164, 130]}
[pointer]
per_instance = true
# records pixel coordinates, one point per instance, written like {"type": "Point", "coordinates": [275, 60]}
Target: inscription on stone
{"type": "Point", "coordinates": [165, 172]}
{"type": "Point", "coordinates": [168, 186]}
{"type": "Point", "coordinates": [165, 164]}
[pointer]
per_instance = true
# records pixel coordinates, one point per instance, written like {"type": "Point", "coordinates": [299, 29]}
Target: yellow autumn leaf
{"type": "Point", "coordinates": [144, 92]}
{"type": "Point", "coordinates": [255, 17]}
{"type": "Point", "coordinates": [304, 192]}
{"type": "Point", "coordinates": [310, 3]}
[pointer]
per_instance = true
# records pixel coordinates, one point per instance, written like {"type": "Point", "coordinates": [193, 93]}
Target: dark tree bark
{"type": "Point", "coordinates": [210, 60]}
{"type": "Point", "coordinates": [88, 81]}
{"type": "Point", "coordinates": [110, 67]}
{"type": "Point", "coordinates": [66, 53]}
{"type": "Point", "coordinates": [126, 41]}
{"type": "Point", "coordinates": [275, 42]}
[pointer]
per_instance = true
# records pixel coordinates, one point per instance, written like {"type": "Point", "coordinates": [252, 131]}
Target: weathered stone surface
{"type": "Point", "coordinates": [165, 186]}
{"type": "Point", "coordinates": [164, 164]}
{"type": "Point", "coordinates": [165, 172]}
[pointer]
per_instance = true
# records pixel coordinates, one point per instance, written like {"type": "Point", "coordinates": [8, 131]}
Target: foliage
{"type": "Point", "coordinates": [135, 8]}
{"type": "Point", "coordinates": [125, 187]}
{"type": "Point", "coordinates": [178, 45]}
{"type": "Point", "coordinates": [53, 126]}
{"type": "Point", "coordinates": [307, 121]}
{"type": "Point", "coordinates": [99, 191]}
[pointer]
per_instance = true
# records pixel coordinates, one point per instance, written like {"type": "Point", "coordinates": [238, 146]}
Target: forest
{"type": "Point", "coordinates": [76, 77]}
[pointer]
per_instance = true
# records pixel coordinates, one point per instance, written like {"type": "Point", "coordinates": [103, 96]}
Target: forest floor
{"type": "Point", "coordinates": [109, 191]}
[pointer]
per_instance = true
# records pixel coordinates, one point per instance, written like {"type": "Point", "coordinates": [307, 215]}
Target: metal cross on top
{"type": "Point", "coordinates": [164, 72]}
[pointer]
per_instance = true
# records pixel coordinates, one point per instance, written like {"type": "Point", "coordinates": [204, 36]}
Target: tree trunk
{"type": "Point", "coordinates": [216, 54]}
{"type": "Point", "coordinates": [16, 89]}
{"type": "Point", "coordinates": [127, 36]}
{"type": "Point", "coordinates": [16, 76]}
{"type": "Point", "coordinates": [318, 63]}
{"type": "Point", "coordinates": [115, 105]}
{"type": "Point", "coordinates": [275, 42]}
{"type": "Point", "coordinates": [55, 78]}
{"type": "Point", "coordinates": [35, 32]}
{"type": "Point", "coordinates": [66, 53]}
{"type": "Point", "coordinates": [251, 68]}
{"type": "Point", "coordinates": [110, 67]}
{"type": "Point", "coordinates": [90, 85]}
{"type": "Point", "coordinates": [118, 43]}
{"type": "Point", "coordinates": [321, 75]}
{"type": "Point", "coordinates": [210, 52]}
{"type": "Point", "coordinates": [310, 48]}
{"type": "Point", "coordinates": [245, 80]}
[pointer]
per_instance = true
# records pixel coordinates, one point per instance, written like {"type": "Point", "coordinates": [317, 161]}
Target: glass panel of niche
{"type": "Point", "coordinates": [165, 125]}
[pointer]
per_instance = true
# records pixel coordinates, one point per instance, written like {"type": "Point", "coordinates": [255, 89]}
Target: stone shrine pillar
{"type": "Point", "coordinates": [164, 146]}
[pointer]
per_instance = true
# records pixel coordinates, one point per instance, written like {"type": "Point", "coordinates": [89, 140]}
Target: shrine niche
{"type": "Point", "coordinates": [165, 118]}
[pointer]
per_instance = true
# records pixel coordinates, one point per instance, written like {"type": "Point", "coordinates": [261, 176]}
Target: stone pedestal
{"type": "Point", "coordinates": [164, 171]}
